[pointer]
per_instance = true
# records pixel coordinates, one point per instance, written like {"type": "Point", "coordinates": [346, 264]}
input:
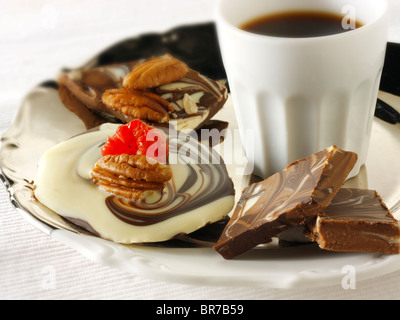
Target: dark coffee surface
{"type": "Point", "coordinates": [298, 24]}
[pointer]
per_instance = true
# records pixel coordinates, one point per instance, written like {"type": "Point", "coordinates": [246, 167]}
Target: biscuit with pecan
{"type": "Point", "coordinates": [189, 98]}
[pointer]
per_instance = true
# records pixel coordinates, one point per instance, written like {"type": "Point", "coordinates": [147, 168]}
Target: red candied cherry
{"type": "Point", "coordinates": [136, 137]}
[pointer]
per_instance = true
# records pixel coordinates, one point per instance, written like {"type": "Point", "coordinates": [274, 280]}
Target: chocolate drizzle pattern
{"type": "Point", "coordinates": [358, 204]}
{"type": "Point", "coordinates": [206, 184]}
{"type": "Point", "coordinates": [284, 192]}
{"type": "Point", "coordinates": [194, 83]}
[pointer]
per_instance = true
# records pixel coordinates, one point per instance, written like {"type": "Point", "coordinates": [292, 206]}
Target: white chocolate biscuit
{"type": "Point", "coordinates": [198, 193]}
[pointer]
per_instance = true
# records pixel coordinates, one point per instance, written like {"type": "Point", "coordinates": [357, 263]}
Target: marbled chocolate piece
{"type": "Point", "coordinates": [199, 193]}
{"type": "Point", "coordinates": [357, 220]}
{"type": "Point", "coordinates": [287, 199]}
{"type": "Point", "coordinates": [81, 92]}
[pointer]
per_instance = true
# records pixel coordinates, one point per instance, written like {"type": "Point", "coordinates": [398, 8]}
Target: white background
{"type": "Point", "coordinates": [37, 38]}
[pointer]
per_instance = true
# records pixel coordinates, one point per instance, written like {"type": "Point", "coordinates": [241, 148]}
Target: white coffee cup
{"type": "Point", "coordinates": [301, 95]}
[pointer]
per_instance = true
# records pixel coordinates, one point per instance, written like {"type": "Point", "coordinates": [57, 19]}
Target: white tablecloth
{"type": "Point", "coordinates": [39, 37]}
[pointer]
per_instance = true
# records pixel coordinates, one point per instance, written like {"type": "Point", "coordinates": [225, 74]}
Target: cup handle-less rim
{"type": "Point", "coordinates": [223, 21]}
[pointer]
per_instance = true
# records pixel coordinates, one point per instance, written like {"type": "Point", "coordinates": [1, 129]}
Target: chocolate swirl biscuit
{"type": "Point", "coordinates": [199, 193]}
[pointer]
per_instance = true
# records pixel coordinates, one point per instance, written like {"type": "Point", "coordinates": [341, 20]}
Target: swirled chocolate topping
{"type": "Point", "coordinates": [81, 92]}
{"type": "Point", "coordinates": [356, 220]}
{"type": "Point", "coordinates": [285, 200]}
{"type": "Point", "coordinates": [204, 183]}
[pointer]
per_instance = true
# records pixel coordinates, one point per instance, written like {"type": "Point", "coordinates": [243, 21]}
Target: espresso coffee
{"type": "Point", "coordinates": [300, 24]}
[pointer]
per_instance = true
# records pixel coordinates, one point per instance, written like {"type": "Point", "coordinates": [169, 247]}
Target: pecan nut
{"type": "Point", "coordinates": [130, 176]}
{"type": "Point", "coordinates": [155, 72]}
{"type": "Point", "coordinates": [137, 104]}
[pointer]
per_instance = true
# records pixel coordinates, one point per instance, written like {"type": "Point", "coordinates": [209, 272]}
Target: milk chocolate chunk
{"type": "Point", "coordinates": [287, 199]}
{"type": "Point", "coordinates": [192, 99]}
{"type": "Point", "coordinates": [357, 220]}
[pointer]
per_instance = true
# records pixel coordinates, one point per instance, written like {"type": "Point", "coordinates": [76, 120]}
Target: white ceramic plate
{"type": "Point", "coordinates": [43, 121]}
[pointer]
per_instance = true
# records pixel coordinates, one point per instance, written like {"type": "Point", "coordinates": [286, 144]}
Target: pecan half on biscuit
{"type": "Point", "coordinates": [155, 72]}
{"type": "Point", "coordinates": [137, 104]}
{"type": "Point", "coordinates": [130, 176]}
